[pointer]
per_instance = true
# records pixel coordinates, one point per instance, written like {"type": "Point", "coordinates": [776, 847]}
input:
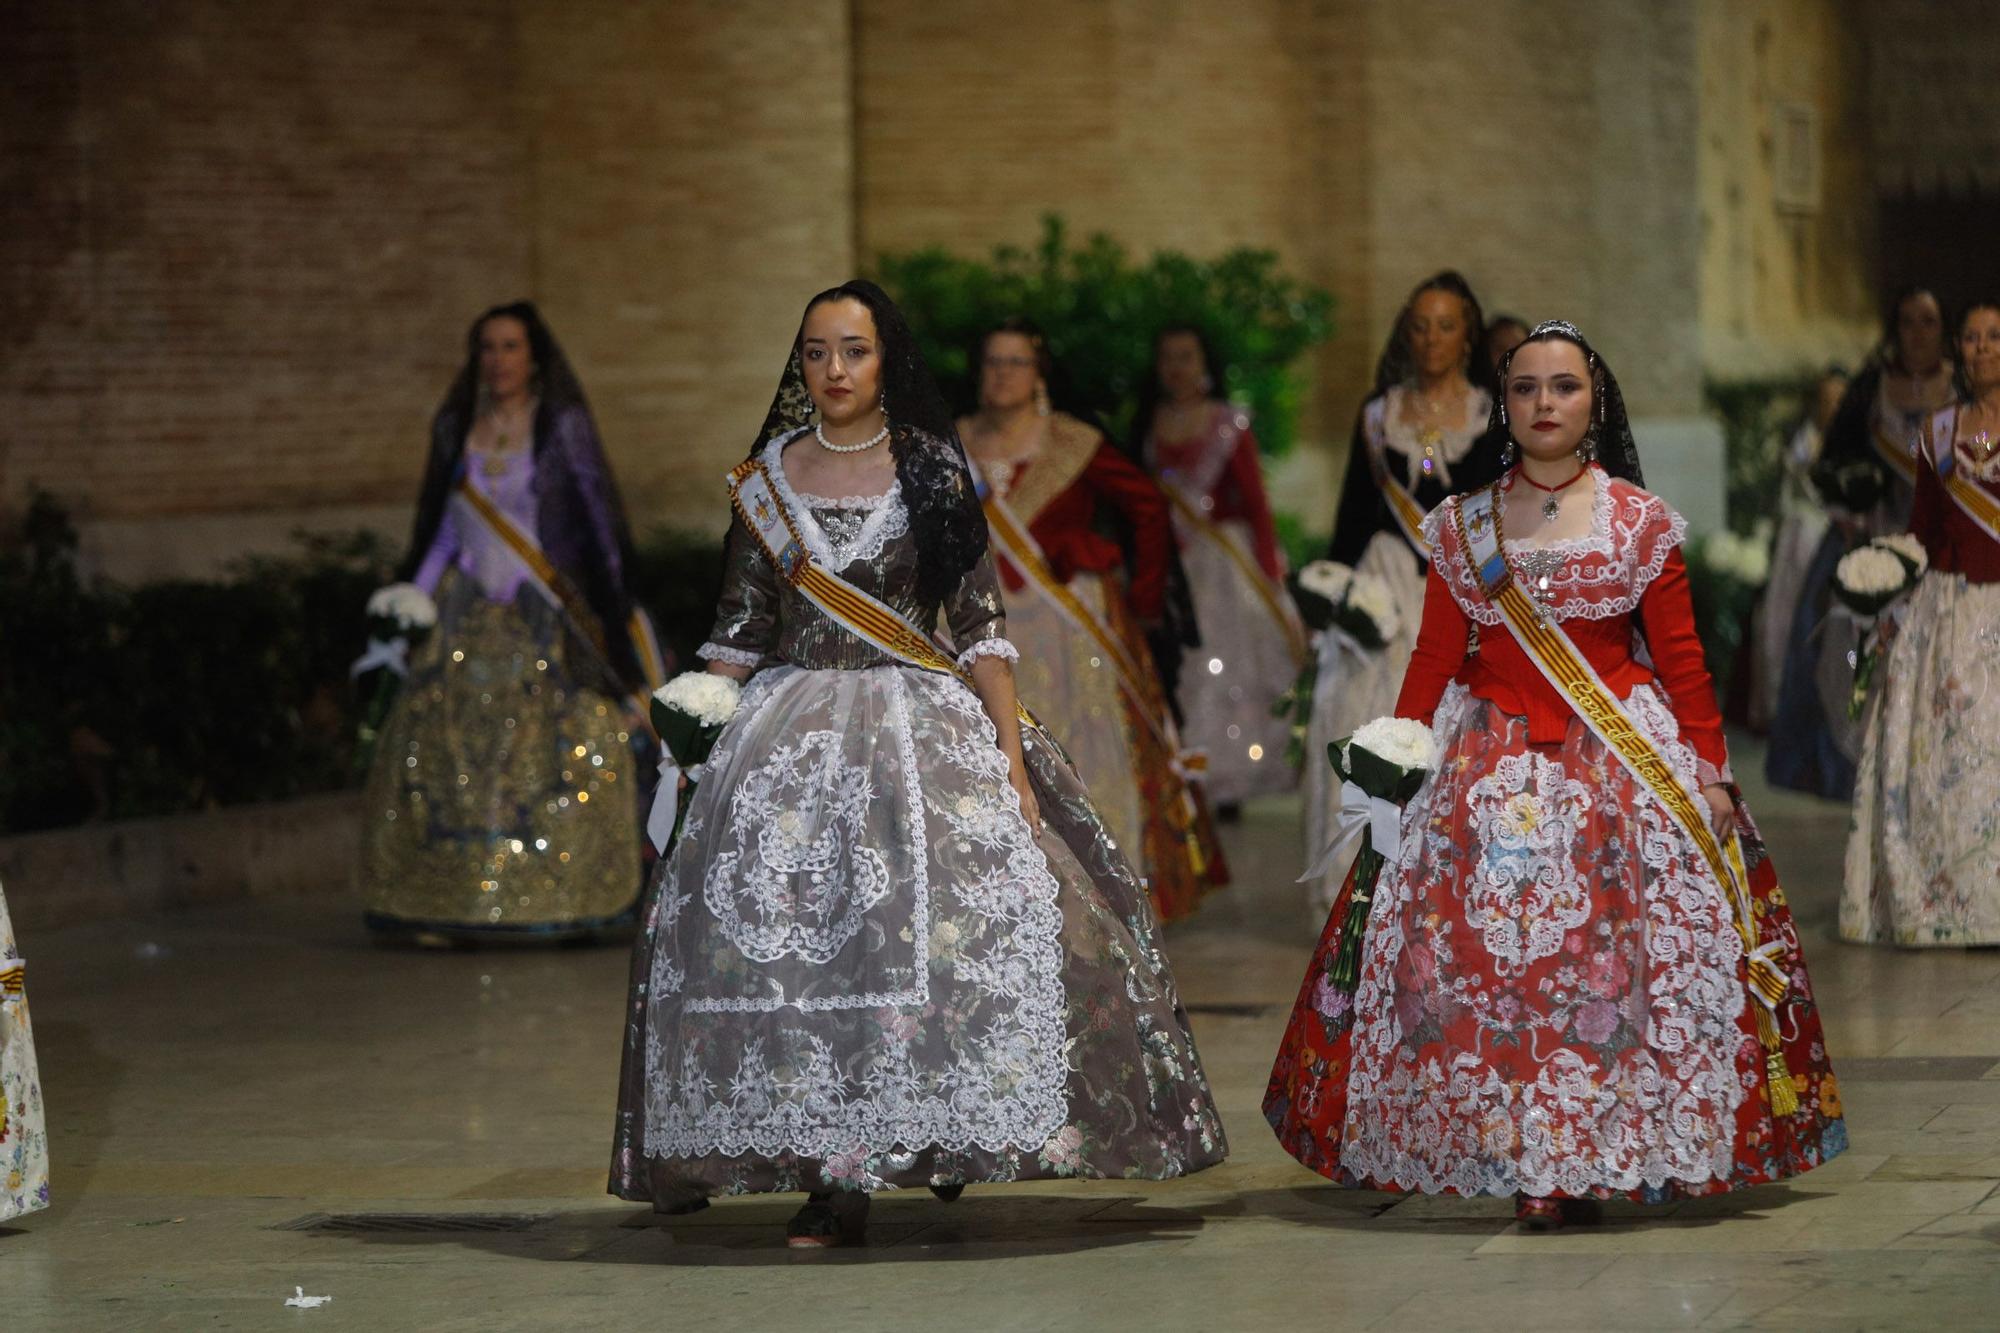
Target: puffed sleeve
{"type": "Point", "coordinates": [746, 619]}
{"type": "Point", "coordinates": [1123, 485]}
{"type": "Point", "coordinates": [1666, 615]}
{"type": "Point", "coordinates": [443, 550]}
{"type": "Point", "coordinates": [977, 617]}
{"type": "Point", "coordinates": [1927, 510]}
{"type": "Point", "coordinates": [1440, 651]}
{"type": "Point", "coordinates": [1246, 478]}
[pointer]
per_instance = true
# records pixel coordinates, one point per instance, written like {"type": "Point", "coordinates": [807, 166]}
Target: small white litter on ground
{"type": "Point", "coordinates": [305, 1302]}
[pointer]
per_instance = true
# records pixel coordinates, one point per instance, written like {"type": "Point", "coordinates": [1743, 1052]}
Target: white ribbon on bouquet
{"type": "Point", "coordinates": [667, 798]}
{"type": "Point", "coordinates": [392, 653]}
{"type": "Point", "coordinates": [1381, 819]}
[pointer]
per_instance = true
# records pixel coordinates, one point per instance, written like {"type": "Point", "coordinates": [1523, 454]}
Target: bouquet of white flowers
{"type": "Point", "coordinates": [689, 712]}
{"type": "Point", "coordinates": [1744, 560]}
{"type": "Point", "coordinates": [1866, 582]}
{"type": "Point", "coordinates": [1343, 608]}
{"type": "Point", "coordinates": [1381, 766]}
{"type": "Point", "coordinates": [1330, 595]}
{"type": "Point", "coordinates": [1909, 548]}
{"type": "Point", "coordinates": [400, 616]}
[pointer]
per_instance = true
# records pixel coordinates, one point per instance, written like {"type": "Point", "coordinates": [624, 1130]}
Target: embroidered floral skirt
{"type": "Point", "coordinates": [860, 969]}
{"type": "Point", "coordinates": [24, 1142]}
{"type": "Point", "coordinates": [505, 794]}
{"type": "Point", "coordinates": [1229, 684]}
{"type": "Point", "coordinates": [1355, 686]}
{"type": "Point", "coordinates": [1551, 998]}
{"type": "Point", "coordinates": [1923, 857]}
{"type": "Point", "coordinates": [1152, 814]}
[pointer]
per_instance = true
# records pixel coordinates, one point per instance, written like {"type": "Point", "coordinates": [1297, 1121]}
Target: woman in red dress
{"type": "Point", "coordinates": [1059, 496]}
{"type": "Point", "coordinates": [1560, 996]}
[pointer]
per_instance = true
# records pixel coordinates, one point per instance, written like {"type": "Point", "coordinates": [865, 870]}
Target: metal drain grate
{"type": "Point", "coordinates": [406, 1223]}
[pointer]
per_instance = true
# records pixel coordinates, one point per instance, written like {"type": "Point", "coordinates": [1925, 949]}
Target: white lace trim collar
{"type": "Point", "coordinates": [1593, 577]}
{"type": "Point", "coordinates": [1392, 432]}
{"type": "Point", "coordinates": [888, 518]}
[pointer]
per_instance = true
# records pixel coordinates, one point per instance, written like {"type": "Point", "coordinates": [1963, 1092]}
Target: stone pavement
{"type": "Point", "coordinates": [229, 1088]}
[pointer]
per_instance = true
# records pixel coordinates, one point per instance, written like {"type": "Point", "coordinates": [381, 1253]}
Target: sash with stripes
{"type": "Point", "coordinates": [1403, 506]}
{"type": "Point", "coordinates": [1020, 549]}
{"type": "Point", "coordinates": [1896, 453]}
{"type": "Point", "coordinates": [866, 617]}
{"type": "Point", "coordinates": [559, 592]}
{"type": "Point", "coordinates": [13, 979]}
{"type": "Point", "coordinates": [1563, 666]}
{"type": "Point", "coordinates": [1275, 603]}
{"type": "Point", "coordinates": [1973, 500]}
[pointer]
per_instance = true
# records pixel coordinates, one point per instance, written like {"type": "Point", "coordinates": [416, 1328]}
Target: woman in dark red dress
{"type": "Point", "coordinates": [1058, 497]}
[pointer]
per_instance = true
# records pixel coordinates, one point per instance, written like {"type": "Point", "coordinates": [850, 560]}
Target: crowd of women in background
{"type": "Point", "coordinates": [1002, 673]}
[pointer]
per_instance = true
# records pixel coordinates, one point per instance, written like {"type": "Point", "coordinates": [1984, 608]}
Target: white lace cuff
{"type": "Point", "coordinates": [988, 648]}
{"type": "Point", "coordinates": [722, 652]}
{"type": "Point", "coordinates": [1709, 775]}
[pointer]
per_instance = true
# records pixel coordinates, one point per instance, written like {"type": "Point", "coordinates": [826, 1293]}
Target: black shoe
{"type": "Point", "coordinates": [682, 1207]}
{"type": "Point", "coordinates": [828, 1220]}
{"type": "Point", "coordinates": [949, 1193]}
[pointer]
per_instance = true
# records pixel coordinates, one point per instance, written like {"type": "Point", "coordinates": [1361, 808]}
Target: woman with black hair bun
{"type": "Point", "coordinates": [1923, 857]}
{"type": "Point", "coordinates": [511, 772]}
{"type": "Point", "coordinates": [895, 946]}
{"type": "Point", "coordinates": [1202, 449]}
{"type": "Point", "coordinates": [1083, 541]}
{"type": "Point", "coordinates": [1866, 475]}
{"type": "Point", "coordinates": [1577, 977]}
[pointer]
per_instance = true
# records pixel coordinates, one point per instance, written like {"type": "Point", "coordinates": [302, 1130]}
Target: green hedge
{"type": "Point", "coordinates": [188, 694]}
{"type": "Point", "coordinates": [1100, 309]}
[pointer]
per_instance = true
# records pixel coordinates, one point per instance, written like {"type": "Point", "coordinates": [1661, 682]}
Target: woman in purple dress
{"type": "Point", "coordinates": [509, 778]}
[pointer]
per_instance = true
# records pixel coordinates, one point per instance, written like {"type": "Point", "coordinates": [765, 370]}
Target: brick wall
{"type": "Point", "coordinates": [243, 240]}
{"type": "Point", "coordinates": [1782, 289]}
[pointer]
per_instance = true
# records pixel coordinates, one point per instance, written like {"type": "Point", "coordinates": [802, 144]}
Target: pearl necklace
{"type": "Point", "coordinates": [860, 448]}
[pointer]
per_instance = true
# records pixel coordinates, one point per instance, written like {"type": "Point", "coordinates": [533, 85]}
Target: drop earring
{"type": "Point", "coordinates": [1041, 399]}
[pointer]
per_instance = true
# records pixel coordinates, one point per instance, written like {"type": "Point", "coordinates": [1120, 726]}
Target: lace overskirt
{"type": "Point", "coordinates": [861, 969]}
{"type": "Point", "coordinates": [1230, 683]}
{"type": "Point", "coordinates": [1551, 996]}
{"type": "Point", "coordinates": [1923, 858]}
{"type": "Point", "coordinates": [24, 1140]}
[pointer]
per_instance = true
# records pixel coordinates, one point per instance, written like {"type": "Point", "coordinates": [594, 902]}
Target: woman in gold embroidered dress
{"type": "Point", "coordinates": [507, 785]}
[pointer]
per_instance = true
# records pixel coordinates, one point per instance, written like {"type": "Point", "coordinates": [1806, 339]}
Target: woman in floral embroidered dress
{"type": "Point", "coordinates": [1074, 495]}
{"type": "Point", "coordinates": [1201, 447]}
{"type": "Point", "coordinates": [24, 1139]}
{"type": "Point", "coordinates": [1552, 1001]}
{"type": "Point", "coordinates": [1923, 860]}
{"type": "Point", "coordinates": [895, 946]}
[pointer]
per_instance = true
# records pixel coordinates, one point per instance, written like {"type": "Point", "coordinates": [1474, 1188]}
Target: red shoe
{"type": "Point", "coordinates": [1535, 1214]}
